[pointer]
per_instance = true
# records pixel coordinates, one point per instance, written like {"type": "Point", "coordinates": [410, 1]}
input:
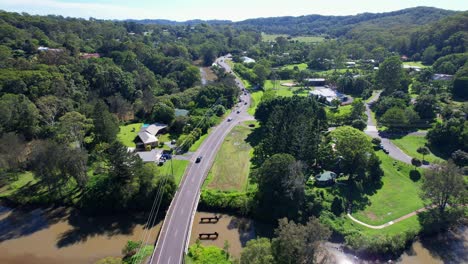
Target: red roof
{"type": "Point", "coordinates": [89, 55]}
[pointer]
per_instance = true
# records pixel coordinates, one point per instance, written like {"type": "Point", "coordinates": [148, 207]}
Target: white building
{"type": "Point", "coordinates": [326, 93]}
{"type": "Point", "coordinates": [246, 59]}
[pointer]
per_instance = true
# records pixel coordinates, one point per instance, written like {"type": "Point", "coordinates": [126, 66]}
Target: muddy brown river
{"type": "Point", "coordinates": [62, 235]}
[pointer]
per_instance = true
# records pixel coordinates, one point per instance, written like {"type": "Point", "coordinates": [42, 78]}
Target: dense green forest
{"type": "Point", "coordinates": [68, 86]}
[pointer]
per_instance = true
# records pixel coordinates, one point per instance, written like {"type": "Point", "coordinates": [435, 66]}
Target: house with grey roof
{"type": "Point", "coordinates": [150, 156]}
{"type": "Point", "coordinates": [147, 135]}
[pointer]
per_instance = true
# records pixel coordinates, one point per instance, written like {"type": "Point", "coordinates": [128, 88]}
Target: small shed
{"type": "Point", "coordinates": [325, 178]}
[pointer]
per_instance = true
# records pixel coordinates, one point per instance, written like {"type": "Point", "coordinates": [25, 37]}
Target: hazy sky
{"type": "Point", "coordinates": [215, 9]}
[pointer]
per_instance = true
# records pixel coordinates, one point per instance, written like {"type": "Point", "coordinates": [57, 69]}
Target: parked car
{"type": "Point", "coordinates": [173, 142]}
{"type": "Point", "coordinates": [198, 159]}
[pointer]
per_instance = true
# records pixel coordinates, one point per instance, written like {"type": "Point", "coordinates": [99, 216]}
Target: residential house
{"type": "Point", "coordinates": [147, 135]}
{"type": "Point", "coordinates": [326, 178]}
{"type": "Point", "coordinates": [150, 156]}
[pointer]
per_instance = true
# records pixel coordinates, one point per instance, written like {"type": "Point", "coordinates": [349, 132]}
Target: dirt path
{"type": "Point", "coordinates": [390, 222]}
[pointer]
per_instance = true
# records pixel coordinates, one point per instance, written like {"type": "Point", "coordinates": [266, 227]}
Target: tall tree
{"type": "Point", "coordinates": [280, 183]}
{"type": "Point", "coordinates": [106, 125]}
{"type": "Point", "coordinates": [298, 244]}
{"type": "Point", "coordinates": [444, 184]}
{"type": "Point", "coordinates": [257, 251]}
{"type": "Point", "coordinates": [73, 127]}
{"type": "Point", "coordinates": [390, 74]}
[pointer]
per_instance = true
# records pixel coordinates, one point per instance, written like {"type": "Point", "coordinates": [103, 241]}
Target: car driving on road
{"type": "Point", "coordinates": [198, 159]}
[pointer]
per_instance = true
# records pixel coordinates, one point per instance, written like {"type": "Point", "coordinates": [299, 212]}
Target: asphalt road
{"type": "Point", "coordinates": [175, 233]}
{"type": "Point", "coordinates": [371, 130]}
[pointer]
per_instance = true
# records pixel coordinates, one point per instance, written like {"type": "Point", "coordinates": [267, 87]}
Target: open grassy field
{"type": "Point", "coordinates": [128, 133]}
{"type": "Point", "coordinates": [410, 143]}
{"type": "Point", "coordinates": [179, 169]}
{"type": "Point", "coordinates": [307, 39]}
{"type": "Point", "coordinates": [415, 63]}
{"type": "Point", "coordinates": [398, 196]}
{"type": "Point", "coordinates": [300, 66]}
{"type": "Point", "coordinates": [231, 167]}
{"type": "Point", "coordinates": [20, 180]}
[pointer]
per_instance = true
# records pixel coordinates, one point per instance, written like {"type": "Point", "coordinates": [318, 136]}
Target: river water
{"type": "Point", "coordinates": [62, 235]}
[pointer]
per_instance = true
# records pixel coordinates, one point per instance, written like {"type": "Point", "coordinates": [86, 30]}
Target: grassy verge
{"type": "Point", "coordinates": [398, 196]}
{"type": "Point", "coordinates": [18, 181]}
{"type": "Point", "coordinates": [415, 63]}
{"type": "Point", "coordinates": [409, 144]}
{"type": "Point", "coordinates": [231, 167]}
{"type": "Point", "coordinates": [179, 169]}
{"type": "Point", "coordinates": [128, 133]}
{"type": "Point", "coordinates": [300, 66]}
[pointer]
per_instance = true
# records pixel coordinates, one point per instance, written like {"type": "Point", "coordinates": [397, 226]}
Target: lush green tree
{"type": "Point", "coordinates": [257, 251]}
{"type": "Point", "coordinates": [72, 128]}
{"type": "Point", "coordinates": [425, 106]}
{"type": "Point", "coordinates": [460, 89]}
{"type": "Point", "coordinates": [443, 185]}
{"type": "Point", "coordinates": [163, 113]}
{"type": "Point", "coordinates": [449, 135]}
{"type": "Point", "coordinates": [280, 182]}
{"type": "Point", "coordinates": [390, 75]}
{"type": "Point", "coordinates": [261, 73]}
{"type": "Point", "coordinates": [106, 125]}
{"type": "Point", "coordinates": [460, 158]}
{"type": "Point", "coordinates": [296, 243]}
{"type": "Point", "coordinates": [357, 110]}
{"type": "Point", "coordinates": [423, 151]}
{"type": "Point", "coordinates": [200, 254]}
{"type": "Point", "coordinates": [18, 115]}
{"type": "Point", "coordinates": [429, 55]}
{"type": "Point", "coordinates": [55, 164]}
{"type": "Point", "coordinates": [354, 150]}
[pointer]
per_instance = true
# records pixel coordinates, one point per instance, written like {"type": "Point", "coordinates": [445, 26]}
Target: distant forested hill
{"type": "Point", "coordinates": [340, 25]}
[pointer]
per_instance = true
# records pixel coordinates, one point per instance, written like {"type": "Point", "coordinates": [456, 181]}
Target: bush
{"type": "Point", "coordinates": [232, 202]}
{"type": "Point", "coordinates": [416, 162]}
{"type": "Point", "coordinates": [359, 124]}
{"type": "Point", "coordinates": [376, 141]}
{"type": "Point", "coordinates": [415, 175]}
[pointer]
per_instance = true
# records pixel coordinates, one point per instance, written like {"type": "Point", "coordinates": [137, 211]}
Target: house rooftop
{"type": "Point", "coordinates": [150, 156]}
{"type": "Point", "coordinates": [147, 138]}
{"type": "Point", "coordinates": [326, 176]}
{"type": "Point", "coordinates": [153, 129]}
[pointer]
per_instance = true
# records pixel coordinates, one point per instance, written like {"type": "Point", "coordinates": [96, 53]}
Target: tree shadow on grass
{"type": "Point", "coordinates": [255, 137]}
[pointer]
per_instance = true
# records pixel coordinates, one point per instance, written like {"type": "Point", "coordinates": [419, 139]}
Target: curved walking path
{"type": "Point", "coordinates": [389, 223]}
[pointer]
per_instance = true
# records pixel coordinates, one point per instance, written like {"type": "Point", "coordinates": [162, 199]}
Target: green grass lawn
{"type": "Point", "coordinates": [179, 169]}
{"type": "Point", "coordinates": [398, 196]}
{"type": "Point", "coordinates": [409, 224]}
{"type": "Point", "coordinates": [307, 39]}
{"type": "Point", "coordinates": [20, 180]}
{"type": "Point", "coordinates": [409, 144]}
{"type": "Point", "coordinates": [415, 63]}
{"type": "Point", "coordinates": [301, 66]}
{"type": "Point", "coordinates": [128, 133]}
{"type": "Point", "coordinates": [256, 99]}
{"type": "Point", "coordinates": [231, 167]}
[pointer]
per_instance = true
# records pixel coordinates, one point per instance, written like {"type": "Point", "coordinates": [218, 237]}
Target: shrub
{"type": "Point", "coordinates": [376, 141]}
{"type": "Point", "coordinates": [234, 202]}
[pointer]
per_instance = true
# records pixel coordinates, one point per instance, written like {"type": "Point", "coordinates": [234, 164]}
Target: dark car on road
{"type": "Point", "coordinates": [198, 159]}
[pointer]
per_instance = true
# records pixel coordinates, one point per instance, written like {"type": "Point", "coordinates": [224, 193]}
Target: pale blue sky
{"type": "Point", "coordinates": [235, 10]}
